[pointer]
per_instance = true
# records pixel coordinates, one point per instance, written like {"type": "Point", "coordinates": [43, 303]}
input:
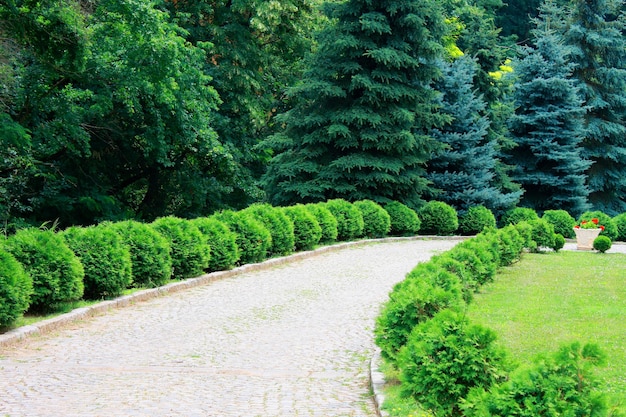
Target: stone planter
{"type": "Point", "coordinates": [585, 238]}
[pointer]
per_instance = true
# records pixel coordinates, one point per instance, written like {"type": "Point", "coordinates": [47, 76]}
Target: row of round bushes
{"type": "Point", "coordinates": [452, 366]}
{"type": "Point", "coordinates": [43, 270]}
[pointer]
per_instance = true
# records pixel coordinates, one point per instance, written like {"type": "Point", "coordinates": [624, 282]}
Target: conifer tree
{"type": "Point", "coordinates": [365, 108]}
{"type": "Point", "coordinates": [464, 171]}
{"type": "Point", "coordinates": [548, 123]}
{"type": "Point", "coordinates": [597, 34]}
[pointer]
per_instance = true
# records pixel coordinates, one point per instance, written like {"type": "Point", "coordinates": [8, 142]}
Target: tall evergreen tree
{"type": "Point", "coordinates": [548, 124]}
{"type": "Point", "coordinates": [465, 170]}
{"type": "Point", "coordinates": [366, 107]}
{"type": "Point", "coordinates": [597, 34]}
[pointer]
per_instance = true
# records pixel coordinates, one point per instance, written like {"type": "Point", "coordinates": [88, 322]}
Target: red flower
{"type": "Point", "coordinates": [602, 227]}
{"type": "Point", "coordinates": [594, 220]}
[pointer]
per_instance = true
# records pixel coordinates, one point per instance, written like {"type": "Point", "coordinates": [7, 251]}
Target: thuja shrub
{"type": "Point", "coordinates": [486, 249]}
{"type": "Point", "coordinates": [149, 253]}
{"type": "Point", "coordinates": [425, 291]}
{"type": "Point", "coordinates": [559, 242]}
{"type": "Point", "coordinates": [376, 221]}
{"type": "Point", "coordinates": [475, 220]}
{"type": "Point", "coordinates": [438, 218]}
{"type": "Point", "coordinates": [189, 250]}
{"type": "Point", "coordinates": [562, 222]}
{"type": "Point", "coordinates": [542, 234]}
{"type": "Point", "coordinates": [223, 243]}
{"type": "Point", "coordinates": [307, 230]}
{"type": "Point", "coordinates": [511, 245]}
{"type": "Point", "coordinates": [404, 220]}
{"type": "Point", "coordinates": [56, 271]}
{"type": "Point", "coordinates": [326, 220]}
{"type": "Point", "coordinates": [105, 258]}
{"type": "Point", "coordinates": [278, 224]}
{"type": "Point", "coordinates": [477, 270]}
{"type": "Point", "coordinates": [253, 239]}
{"type": "Point", "coordinates": [602, 244]}
{"type": "Point", "coordinates": [562, 384]}
{"type": "Point", "coordinates": [518, 214]}
{"type": "Point", "coordinates": [620, 223]}
{"type": "Point", "coordinates": [349, 219]}
{"type": "Point", "coordinates": [16, 287]}
{"type": "Point", "coordinates": [445, 358]}
{"type": "Point", "coordinates": [610, 228]}
{"type": "Point", "coordinates": [526, 232]}
{"type": "Point", "coordinates": [468, 283]}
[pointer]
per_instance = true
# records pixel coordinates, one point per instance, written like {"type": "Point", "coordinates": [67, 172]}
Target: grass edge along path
{"type": "Point", "coordinates": [550, 299]}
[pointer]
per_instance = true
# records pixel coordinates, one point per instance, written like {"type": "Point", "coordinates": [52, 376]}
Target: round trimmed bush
{"type": "Point", "coordinates": [278, 224]}
{"type": "Point", "coordinates": [487, 251]}
{"type": "Point", "coordinates": [223, 243]}
{"type": "Point", "coordinates": [519, 214]}
{"type": "Point", "coordinates": [610, 228]}
{"type": "Point", "coordinates": [475, 220]}
{"type": "Point", "coordinates": [511, 245]}
{"type": "Point", "coordinates": [620, 222]}
{"type": "Point", "coordinates": [562, 222]}
{"type": "Point", "coordinates": [438, 218]}
{"type": "Point", "coordinates": [326, 220]}
{"type": "Point", "coordinates": [602, 244]}
{"type": "Point", "coordinates": [16, 287]}
{"type": "Point", "coordinates": [105, 258]}
{"type": "Point", "coordinates": [526, 232]}
{"type": "Point", "coordinates": [150, 253]}
{"type": "Point", "coordinates": [542, 234]}
{"type": "Point", "coordinates": [349, 219]}
{"type": "Point", "coordinates": [307, 230]}
{"type": "Point", "coordinates": [56, 271]}
{"type": "Point", "coordinates": [559, 242]}
{"type": "Point", "coordinates": [252, 238]}
{"type": "Point", "coordinates": [427, 289]}
{"type": "Point", "coordinates": [189, 251]}
{"type": "Point", "coordinates": [404, 220]}
{"type": "Point", "coordinates": [376, 221]}
{"type": "Point", "coordinates": [446, 357]}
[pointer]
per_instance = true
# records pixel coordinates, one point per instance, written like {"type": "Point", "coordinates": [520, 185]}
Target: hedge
{"type": "Point", "coordinates": [16, 288]}
{"type": "Point", "coordinates": [221, 240]}
{"type": "Point", "coordinates": [349, 219]}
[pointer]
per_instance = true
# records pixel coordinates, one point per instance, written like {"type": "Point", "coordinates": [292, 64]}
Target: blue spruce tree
{"type": "Point", "coordinates": [464, 172]}
{"type": "Point", "coordinates": [548, 125]}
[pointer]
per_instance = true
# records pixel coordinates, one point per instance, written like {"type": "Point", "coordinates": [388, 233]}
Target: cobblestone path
{"type": "Point", "coordinates": [293, 340]}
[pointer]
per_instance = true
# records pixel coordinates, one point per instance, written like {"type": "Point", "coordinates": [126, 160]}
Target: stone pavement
{"type": "Point", "coordinates": [289, 340]}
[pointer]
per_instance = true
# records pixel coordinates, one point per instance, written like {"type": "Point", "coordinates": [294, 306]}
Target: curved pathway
{"type": "Point", "coordinates": [290, 340]}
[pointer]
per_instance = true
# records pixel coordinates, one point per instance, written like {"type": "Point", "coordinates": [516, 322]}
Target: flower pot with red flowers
{"type": "Point", "coordinates": [586, 233]}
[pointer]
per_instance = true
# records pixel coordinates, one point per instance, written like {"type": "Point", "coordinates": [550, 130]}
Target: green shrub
{"type": "Point", "coordinates": [426, 290]}
{"type": "Point", "coordinates": [376, 221]}
{"type": "Point", "coordinates": [562, 222]}
{"type": "Point", "coordinates": [278, 224]}
{"type": "Point", "coordinates": [466, 278]}
{"type": "Point", "coordinates": [438, 218]}
{"type": "Point", "coordinates": [602, 244]}
{"type": "Point", "coordinates": [307, 230]}
{"type": "Point", "coordinates": [253, 239]}
{"type": "Point", "coordinates": [105, 258]}
{"type": "Point", "coordinates": [150, 253]}
{"type": "Point", "coordinates": [349, 219]}
{"type": "Point", "coordinates": [56, 271]}
{"type": "Point", "coordinates": [519, 214]}
{"type": "Point", "coordinates": [610, 228]}
{"type": "Point", "coordinates": [511, 245]}
{"type": "Point", "coordinates": [326, 220]}
{"type": "Point", "coordinates": [526, 232]}
{"type": "Point", "coordinates": [475, 267]}
{"type": "Point", "coordinates": [475, 220]}
{"type": "Point", "coordinates": [561, 385]}
{"type": "Point", "coordinates": [487, 251]}
{"type": "Point", "coordinates": [189, 251]}
{"type": "Point", "coordinates": [16, 287]}
{"type": "Point", "coordinates": [542, 234]}
{"type": "Point", "coordinates": [223, 243]}
{"type": "Point", "coordinates": [445, 358]}
{"type": "Point", "coordinates": [620, 223]}
{"type": "Point", "coordinates": [404, 220]}
{"type": "Point", "coordinates": [559, 242]}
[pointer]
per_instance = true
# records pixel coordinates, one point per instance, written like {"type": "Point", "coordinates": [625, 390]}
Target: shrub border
{"type": "Point", "coordinates": [20, 334]}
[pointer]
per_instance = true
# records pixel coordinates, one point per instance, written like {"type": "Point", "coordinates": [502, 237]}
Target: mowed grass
{"type": "Point", "coordinates": [551, 299]}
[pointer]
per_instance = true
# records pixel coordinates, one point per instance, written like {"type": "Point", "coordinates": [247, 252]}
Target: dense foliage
{"type": "Point", "coordinates": [16, 288]}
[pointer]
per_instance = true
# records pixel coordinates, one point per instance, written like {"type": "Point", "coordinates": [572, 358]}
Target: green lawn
{"type": "Point", "coordinates": [555, 298]}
